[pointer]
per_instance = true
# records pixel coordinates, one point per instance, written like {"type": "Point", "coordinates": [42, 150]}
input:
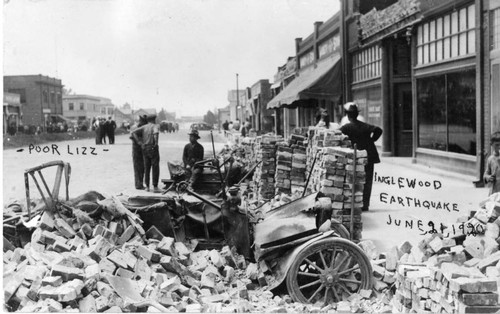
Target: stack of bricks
{"type": "Point", "coordinates": [448, 289]}
{"type": "Point", "coordinates": [337, 182]}
{"type": "Point", "coordinates": [299, 160]}
{"type": "Point", "coordinates": [318, 139]}
{"type": "Point", "coordinates": [283, 169]}
{"type": "Point", "coordinates": [265, 149]}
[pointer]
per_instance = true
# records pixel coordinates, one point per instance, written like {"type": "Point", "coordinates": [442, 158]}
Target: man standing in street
{"type": "Point", "coordinates": [225, 127]}
{"type": "Point", "coordinates": [193, 152]}
{"type": "Point", "coordinates": [137, 158]}
{"type": "Point", "coordinates": [364, 136]}
{"type": "Point", "coordinates": [150, 152]}
{"type": "Point", "coordinates": [111, 130]}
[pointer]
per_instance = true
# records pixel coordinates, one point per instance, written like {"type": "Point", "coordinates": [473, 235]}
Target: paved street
{"type": "Point", "coordinates": [394, 198]}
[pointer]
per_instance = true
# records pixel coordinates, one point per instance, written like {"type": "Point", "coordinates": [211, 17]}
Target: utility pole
{"type": "Point", "coordinates": [237, 96]}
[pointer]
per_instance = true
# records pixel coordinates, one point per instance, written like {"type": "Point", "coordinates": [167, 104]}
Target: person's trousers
{"type": "Point", "coordinates": [151, 157]}
{"type": "Point", "coordinates": [103, 136]}
{"type": "Point", "coordinates": [138, 162]}
{"type": "Point", "coordinates": [195, 176]}
{"type": "Point", "coordinates": [98, 138]}
{"type": "Point", "coordinates": [367, 191]}
{"type": "Point", "coordinates": [111, 137]}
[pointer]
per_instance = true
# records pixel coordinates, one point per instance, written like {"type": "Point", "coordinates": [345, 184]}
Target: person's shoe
{"type": "Point", "coordinates": [139, 187]}
{"type": "Point", "coordinates": [147, 189]}
{"type": "Point", "coordinates": [365, 209]}
{"type": "Point", "coordinates": [156, 190]}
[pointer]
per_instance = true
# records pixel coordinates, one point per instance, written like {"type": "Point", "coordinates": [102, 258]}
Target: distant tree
{"type": "Point", "coordinates": [210, 118]}
{"type": "Point", "coordinates": [162, 115]}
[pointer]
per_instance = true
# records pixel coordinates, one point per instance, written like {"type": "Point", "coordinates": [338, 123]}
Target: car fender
{"type": "Point", "coordinates": [280, 271]}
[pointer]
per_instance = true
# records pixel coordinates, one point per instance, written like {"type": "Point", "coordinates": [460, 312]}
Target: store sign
{"type": "Point", "coordinates": [46, 110]}
{"type": "Point", "coordinates": [286, 70]}
{"type": "Point", "coordinates": [307, 59]}
{"type": "Point", "coordinates": [376, 21]}
{"type": "Point", "coordinates": [331, 45]}
{"type": "Point", "coordinates": [11, 98]}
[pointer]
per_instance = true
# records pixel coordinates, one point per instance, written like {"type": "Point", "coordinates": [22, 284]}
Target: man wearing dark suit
{"type": "Point", "coordinates": [111, 130]}
{"type": "Point", "coordinates": [193, 152]}
{"type": "Point", "coordinates": [364, 135]}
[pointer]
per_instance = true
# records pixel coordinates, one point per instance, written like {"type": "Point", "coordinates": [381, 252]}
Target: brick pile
{"type": "Point", "coordinates": [333, 176]}
{"type": "Point", "coordinates": [265, 150]}
{"type": "Point", "coordinates": [291, 165]}
{"type": "Point", "coordinates": [282, 178]}
{"type": "Point", "coordinates": [76, 263]}
{"type": "Point", "coordinates": [455, 269]}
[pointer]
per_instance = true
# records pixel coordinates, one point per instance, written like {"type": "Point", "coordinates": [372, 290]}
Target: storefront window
{"type": "Point", "coordinates": [367, 64]}
{"type": "Point", "coordinates": [447, 37]}
{"type": "Point", "coordinates": [447, 112]}
{"type": "Point", "coordinates": [370, 104]}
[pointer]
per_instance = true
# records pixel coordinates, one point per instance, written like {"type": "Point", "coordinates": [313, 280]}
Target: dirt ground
{"type": "Point", "coordinates": [104, 168]}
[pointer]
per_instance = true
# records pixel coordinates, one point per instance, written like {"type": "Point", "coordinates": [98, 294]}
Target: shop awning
{"type": "Point", "coordinates": [320, 82]}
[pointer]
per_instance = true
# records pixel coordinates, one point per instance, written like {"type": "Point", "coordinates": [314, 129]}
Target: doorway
{"type": "Point", "coordinates": [403, 120]}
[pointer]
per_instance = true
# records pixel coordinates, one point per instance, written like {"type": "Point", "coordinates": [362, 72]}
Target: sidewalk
{"type": "Point", "coordinates": [409, 199]}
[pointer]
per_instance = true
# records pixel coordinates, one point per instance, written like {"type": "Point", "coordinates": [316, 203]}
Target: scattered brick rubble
{"type": "Point", "coordinates": [108, 263]}
{"type": "Point", "coordinates": [455, 269]}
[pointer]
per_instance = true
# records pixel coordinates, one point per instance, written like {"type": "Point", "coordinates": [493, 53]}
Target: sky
{"type": "Point", "coordinates": [181, 55]}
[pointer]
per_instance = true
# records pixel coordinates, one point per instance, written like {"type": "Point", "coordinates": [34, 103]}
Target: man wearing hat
{"type": "Point", "coordinates": [150, 151]}
{"type": "Point", "coordinates": [193, 152]}
{"type": "Point", "coordinates": [137, 158]}
{"type": "Point", "coordinates": [364, 135]}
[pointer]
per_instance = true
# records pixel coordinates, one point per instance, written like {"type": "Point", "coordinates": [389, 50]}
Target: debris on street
{"type": "Point", "coordinates": [452, 270]}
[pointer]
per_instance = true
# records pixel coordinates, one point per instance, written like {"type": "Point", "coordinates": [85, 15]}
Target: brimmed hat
{"type": "Point", "coordinates": [351, 107]}
{"type": "Point", "coordinates": [143, 118]}
{"type": "Point", "coordinates": [194, 133]}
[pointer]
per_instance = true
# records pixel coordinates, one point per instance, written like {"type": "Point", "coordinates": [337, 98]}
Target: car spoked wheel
{"type": "Point", "coordinates": [329, 270]}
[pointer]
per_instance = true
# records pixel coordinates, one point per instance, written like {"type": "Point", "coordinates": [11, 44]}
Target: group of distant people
{"type": "Point", "coordinates": [228, 127]}
{"type": "Point", "coordinates": [104, 128]}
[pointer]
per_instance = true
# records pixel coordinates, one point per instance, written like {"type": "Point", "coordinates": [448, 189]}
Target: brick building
{"type": "Point", "coordinates": [40, 98]}
{"type": "Point", "coordinates": [422, 70]}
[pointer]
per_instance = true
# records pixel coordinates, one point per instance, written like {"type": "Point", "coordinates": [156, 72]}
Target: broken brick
{"type": "Point", "coordinates": [53, 281]}
{"type": "Point", "coordinates": [479, 298]}
{"type": "Point", "coordinates": [67, 273]}
{"type": "Point", "coordinates": [216, 259]}
{"type": "Point", "coordinates": [47, 221]}
{"type": "Point", "coordinates": [117, 257]}
{"type": "Point", "coordinates": [166, 246]}
{"type": "Point", "coordinates": [121, 272]}
{"type": "Point", "coordinates": [87, 304]}
{"type": "Point", "coordinates": [101, 304]}
{"type": "Point", "coordinates": [154, 233]}
{"type": "Point", "coordinates": [126, 235]}
{"type": "Point", "coordinates": [149, 254]}
{"type": "Point", "coordinates": [64, 228]}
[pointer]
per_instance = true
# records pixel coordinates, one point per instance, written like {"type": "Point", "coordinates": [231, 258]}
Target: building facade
{"type": "Point", "coordinates": [82, 108]}
{"type": "Point", "coordinates": [237, 104]}
{"type": "Point", "coordinates": [316, 83]}
{"type": "Point", "coordinates": [262, 118]}
{"type": "Point", "coordinates": [40, 98]}
{"type": "Point", "coordinates": [421, 71]}
{"type": "Point", "coordinates": [12, 112]}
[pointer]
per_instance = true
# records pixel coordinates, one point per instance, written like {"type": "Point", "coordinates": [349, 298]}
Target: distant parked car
{"type": "Point", "coordinates": [202, 126]}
